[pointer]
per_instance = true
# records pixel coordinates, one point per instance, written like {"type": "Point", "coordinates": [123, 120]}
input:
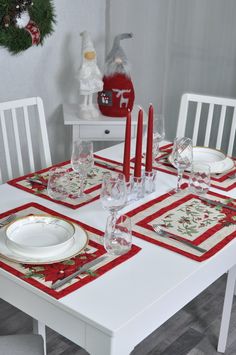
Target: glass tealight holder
{"type": "Point", "coordinates": [137, 188]}
{"type": "Point", "coordinates": [150, 181]}
{"type": "Point", "coordinates": [129, 190]}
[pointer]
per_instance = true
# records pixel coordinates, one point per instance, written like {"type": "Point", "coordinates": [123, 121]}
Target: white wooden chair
{"type": "Point", "coordinates": [21, 344]}
{"type": "Point", "coordinates": [209, 120]}
{"type": "Point", "coordinates": [24, 145]}
{"type": "Point", "coordinates": [212, 121]}
{"type": "Point", "coordinates": [24, 148]}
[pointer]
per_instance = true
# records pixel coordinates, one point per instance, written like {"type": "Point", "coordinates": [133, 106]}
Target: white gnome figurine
{"type": "Point", "coordinates": [89, 76]}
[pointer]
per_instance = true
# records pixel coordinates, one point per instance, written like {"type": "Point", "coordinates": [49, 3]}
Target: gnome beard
{"type": "Point", "coordinates": [117, 96]}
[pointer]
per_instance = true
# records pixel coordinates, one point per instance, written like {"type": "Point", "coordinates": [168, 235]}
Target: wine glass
{"type": "Point", "coordinates": [182, 156]}
{"type": "Point", "coordinates": [82, 162]}
{"type": "Point", "coordinates": [158, 133]}
{"type": "Point", "coordinates": [113, 194]}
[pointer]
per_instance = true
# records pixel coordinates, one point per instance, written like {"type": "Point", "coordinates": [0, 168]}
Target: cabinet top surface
{"type": "Point", "coordinates": [71, 116]}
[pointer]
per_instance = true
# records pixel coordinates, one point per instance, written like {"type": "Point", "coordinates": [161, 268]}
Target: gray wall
{"type": "Point", "coordinates": [179, 46]}
{"type": "Point", "coordinates": [48, 71]}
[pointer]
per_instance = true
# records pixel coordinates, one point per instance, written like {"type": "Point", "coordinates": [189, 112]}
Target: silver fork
{"type": "Point", "coordinates": [165, 234]}
{"type": "Point", "coordinates": [233, 176]}
{"type": "Point", "coordinates": [7, 220]}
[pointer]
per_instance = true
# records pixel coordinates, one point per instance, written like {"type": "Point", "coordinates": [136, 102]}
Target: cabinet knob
{"type": "Point", "coordinates": [107, 131]}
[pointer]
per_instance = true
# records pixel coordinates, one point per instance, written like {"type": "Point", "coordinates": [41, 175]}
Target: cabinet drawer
{"type": "Point", "coordinates": [104, 132]}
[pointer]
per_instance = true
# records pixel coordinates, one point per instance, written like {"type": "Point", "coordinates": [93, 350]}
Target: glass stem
{"type": "Point", "coordinates": [179, 179]}
{"type": "Point", "coordinates": [82, 185]}
{"type": "Point", "coordinates": [81, 178]}
{"type": "Point", "coordinates": [113, 220]}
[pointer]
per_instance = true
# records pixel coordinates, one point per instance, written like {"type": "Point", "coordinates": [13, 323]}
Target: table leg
{"type": "Point", "coordinates": [227, 307]}
{"type": "Point", "coordinates": [39, 328]}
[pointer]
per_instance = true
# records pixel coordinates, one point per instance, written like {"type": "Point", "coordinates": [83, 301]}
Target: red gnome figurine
{"type": "Point", "coordinates": [117, 96]}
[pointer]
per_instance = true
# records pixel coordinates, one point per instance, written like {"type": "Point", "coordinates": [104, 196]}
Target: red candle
{"type": "Point", "coordinates": [148, 166]}
{"type": "Point", "coordinates": [126, 158]}
{"type": "Point", "coordinates": [138, 152]}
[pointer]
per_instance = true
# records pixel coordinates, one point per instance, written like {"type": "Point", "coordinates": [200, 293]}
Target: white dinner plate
{"type": "Point", "coordinates": [217, 160]}
{"type": "Point", "coordinates": [80, 240]}
{"type": "Point", "coordinates": [38, 235]}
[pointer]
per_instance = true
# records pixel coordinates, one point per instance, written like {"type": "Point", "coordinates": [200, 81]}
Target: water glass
{"type": "Point", "coordinates": [118, 235]}
{"type": "Point", "coordinates": [182, 156]}
{"type": "Point", "coordinates": [82, 162]}
{"type": "Point", "coordinates": [200, 179]}
{"type": "Point", "coordinates": [158, 133]}
{"type": "Point", "coordinates": [113, 194]}
{"type": "Point", "coordinates": [58, 180]}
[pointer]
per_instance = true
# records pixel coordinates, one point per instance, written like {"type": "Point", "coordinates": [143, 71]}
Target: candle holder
{"type": "Point", "coordinates": [150, 181]}
{"type": "Point", "coordinates": [137, 188]}
{"type": "Point", "coordinates": [129, 190]}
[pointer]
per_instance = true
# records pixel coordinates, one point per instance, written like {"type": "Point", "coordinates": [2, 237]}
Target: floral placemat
{"type": "Point", "coordinates": [92, 187]}
{"type": "Point", "coordinates": [42, 276]}
{"type": "Point", "coordinates": [223, 181]}
{"type": "Point", "coordinates": [190, 218]}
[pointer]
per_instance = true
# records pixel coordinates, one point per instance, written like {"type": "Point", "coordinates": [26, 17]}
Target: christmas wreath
{"type": "Point", "coordinates": [24, 23]}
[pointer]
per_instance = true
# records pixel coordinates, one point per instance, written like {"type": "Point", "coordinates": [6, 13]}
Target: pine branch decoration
{"type": "Point", "coordinates": [41, 14]}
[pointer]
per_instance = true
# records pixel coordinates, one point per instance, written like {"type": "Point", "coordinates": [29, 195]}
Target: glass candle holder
{"type": "Point", "coordinates": [150, 181]}
{"type": "Point", "coordinates": [137, 188]}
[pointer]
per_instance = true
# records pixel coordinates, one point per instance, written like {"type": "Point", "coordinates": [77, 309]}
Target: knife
{"type": "Point", "coordinates": [217, 203]}
{"type": "Point", "coordinates": [80, 270]}
{"type": "Point", "coordinates": [107, 165]}
{"type": "Point", "coordinates": [37, 181]}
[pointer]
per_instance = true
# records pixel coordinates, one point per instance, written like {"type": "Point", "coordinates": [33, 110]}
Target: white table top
{"type": "Point", "coordinates": [155, 280]}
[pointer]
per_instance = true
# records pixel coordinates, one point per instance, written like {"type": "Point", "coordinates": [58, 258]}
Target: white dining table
{"type": "Point", "coordinates": [113, 313]}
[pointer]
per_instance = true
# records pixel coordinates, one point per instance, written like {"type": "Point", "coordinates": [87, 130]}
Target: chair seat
{"type": "Point", "coordinates": [28, 344]}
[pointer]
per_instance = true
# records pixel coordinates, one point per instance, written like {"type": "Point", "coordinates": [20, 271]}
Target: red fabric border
{"type": "Point", "coordinates": [197, 241]}
{"type": "Point", "coordinates": [14, 182]}
{"type": "Point", "coordinates": [102, 270]}
{"type": "Point", "coordinates": [145, 222]}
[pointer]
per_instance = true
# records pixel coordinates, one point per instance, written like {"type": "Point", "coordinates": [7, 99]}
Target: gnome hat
{"type": "Point", "coordinates": [116, 60]}
{"type": "Point", "coordinates": [87, 45]}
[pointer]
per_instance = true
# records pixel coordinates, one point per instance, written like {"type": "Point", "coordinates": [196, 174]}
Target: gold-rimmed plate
{"type": "Point", "coordinates": [80, 240]}
{"type": "Point", "coordinates": [37, 235]}
{"type": "Point", "coordinates": [216, 159]}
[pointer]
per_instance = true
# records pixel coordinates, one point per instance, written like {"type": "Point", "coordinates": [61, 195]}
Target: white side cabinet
{"type": "Point", "coordinates": [102, 128]}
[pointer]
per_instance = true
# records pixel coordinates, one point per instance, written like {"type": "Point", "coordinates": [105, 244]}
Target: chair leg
{"type": "Point", "coordinates": [227, 307]}
{"type": "Point", "coordinates": [40, 328]}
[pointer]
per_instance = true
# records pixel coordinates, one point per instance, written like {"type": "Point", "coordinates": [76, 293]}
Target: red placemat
{"type": "Point", "coordinates": [93, 182]}
{"type": "Point", "coordinates": [188, 217]}
{"type": "Point", "coordinates": [219, 181]}
{"type": "Point", "coordinates": [42, 276]}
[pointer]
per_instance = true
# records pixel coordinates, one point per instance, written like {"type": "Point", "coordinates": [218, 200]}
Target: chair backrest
{"type": "Point", "coordinates": [212, 120]}
{"type": "Point", "coordinates": [24, 144]}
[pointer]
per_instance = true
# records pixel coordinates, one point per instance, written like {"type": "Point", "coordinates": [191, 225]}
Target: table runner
{"type": "Point", "coordinates": [188, 217]}
{"type": "Point", "coordinates": [219, 181]}
{"type": "Point", "coordinates": [93, 182]}
{"type": "Point", "coordinates": [42, 276]}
